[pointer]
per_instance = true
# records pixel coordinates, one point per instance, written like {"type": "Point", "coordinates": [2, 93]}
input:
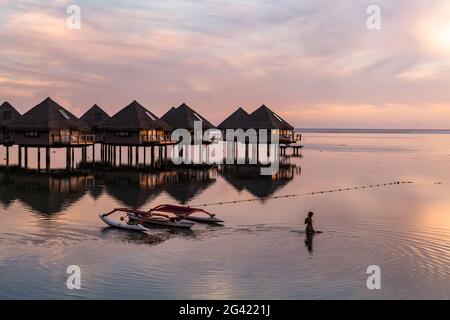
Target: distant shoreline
{"type": "Point", "coordinates": [375, 131]}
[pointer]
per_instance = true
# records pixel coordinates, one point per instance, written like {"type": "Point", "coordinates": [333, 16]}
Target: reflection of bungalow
{"type": "Point", "coordinates": [45, 194]}
{"type": "Point", "coordinates": [50, 125]}
{"type": "Point", "coordinates": [7, 194]}
{"type": "Point", "coordinates": [134, 189]}
{"type": "Point", "coordinates": [247, 177]}
{"type": "Point", "coordinates": [94, 117]}
{"type": "Point", "coordinates": [134, 125]}
{"type": "Point", "coordinates": [187, 184]}
{"type": "Point", "coordinates": [184, 117]}
{"type": "Point", "coordinates": [7, 114]}
{"type": "Point", "coordinates": [262, 118]}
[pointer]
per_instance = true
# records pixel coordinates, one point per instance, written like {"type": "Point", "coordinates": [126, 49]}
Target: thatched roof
{"type": "Point", "coordinates": [48, 115]}
{"type": "Point", "coordinates": [7, 114]}
{"type": "Point", "coordinates": [134, 117]}
{"type": "Point", "coordinates": [183, 117]}
{"type": "Point", "coordinates": [95, 116]}
{"type": "Point", "coordinates": [239, 119]}
{"type": "Point", "coordinates": [264, 118]}
{"type": "Point", "coordinates": [261, 118]}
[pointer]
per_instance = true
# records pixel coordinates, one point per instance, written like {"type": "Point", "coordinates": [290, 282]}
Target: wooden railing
{"type": "Point", "coordinates": [291, 137]}
{"type": "Point", "coordinates": [73, 140]}
{"type": "Point", "coordinates": [155, 139]}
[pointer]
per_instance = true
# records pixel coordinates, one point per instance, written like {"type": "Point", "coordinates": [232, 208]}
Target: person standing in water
{"type": "Point", "coordinates": [309, 224]}
{"type": "Point", "coordinates": [309, 231]}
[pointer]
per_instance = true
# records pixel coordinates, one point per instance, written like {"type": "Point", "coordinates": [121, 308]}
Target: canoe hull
{"type": "Point", "coordinates": [204, 219]}
{"type": "Point", "coordinates": [137, 227]}
{"type": "Point", "coordinates": [184, 224]}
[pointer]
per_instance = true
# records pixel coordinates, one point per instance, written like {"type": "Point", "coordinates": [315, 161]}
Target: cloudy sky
{"type": "Point", "coordinates": [314, 62]}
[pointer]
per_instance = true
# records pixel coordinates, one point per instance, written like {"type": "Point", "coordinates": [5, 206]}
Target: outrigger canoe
{"type": "Point", "coordinates": [187, 213]}
{"type": "Point", "coordinates": [163, 215]}
{"type": "Point", "coordinates": [151, 217]}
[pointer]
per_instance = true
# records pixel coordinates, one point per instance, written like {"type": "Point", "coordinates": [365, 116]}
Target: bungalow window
{"type": "Point", "coordinates": [122, 134]}
{"type": "Point", "coordinates": [31, 133]}
{"type": "Point", "coordinates": [276, 116]}
{"type": "Point", "coordinates": [7, 115]}
{"type": "Point", "coordinates": [150, 115]}
{"type": "Point", "coordinates": [64, 114]}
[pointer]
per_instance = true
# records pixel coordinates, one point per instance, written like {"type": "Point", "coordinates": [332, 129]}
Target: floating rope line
{"type": "Point", "coordinates": [372, 186]}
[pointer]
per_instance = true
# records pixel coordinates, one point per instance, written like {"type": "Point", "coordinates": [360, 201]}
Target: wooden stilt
{"type": "Point", "coordinates": [38, 159]}
{"type": "Point", "coordinates": [137, 156]}
{"type": "Point", "coordinates": [152, 155]}
{"type": "Point", "coordinates": [145, 156]}
{"type": "Point", "coordinates": [246, 153]}
{"type": "Point", "coordinates": [73, 158]}
{"type": "Point", "coordinates": [257, 150]}
{"type": "Point", "coordinates": [19, 156]}
{"type": "Point", "coordinates": [47, 159]}
{"type": "Point", "coordinates": [68, 161]}
{"type": "Point", "coordinates": [93, 154]}
{"type": "Point", "coordinates": [120, 155]}
{"type": "Point", "coordinates": [7, 158]}
{"type": "Point", "coordinates": [26, 157]}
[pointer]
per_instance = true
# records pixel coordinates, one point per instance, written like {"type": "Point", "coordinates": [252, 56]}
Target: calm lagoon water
{"type": "Point", "coordinates": [49, 223]}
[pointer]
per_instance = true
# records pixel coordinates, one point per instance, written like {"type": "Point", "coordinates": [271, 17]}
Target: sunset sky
{"type": "Point", "coordinates": [312, 61]}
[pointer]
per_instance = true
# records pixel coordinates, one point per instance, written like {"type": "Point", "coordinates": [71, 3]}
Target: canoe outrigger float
{"type": "Point", "coordinates": [187, 213]}
{"type": "Point", "coordinates": [163, 215]}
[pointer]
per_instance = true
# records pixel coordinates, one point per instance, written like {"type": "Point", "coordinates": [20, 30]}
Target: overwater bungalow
{"type": "Point", "coordinates": [264, 118]}
{"type": "Point", "coordinates": [183, 117]}
{"type": "Point", "coordinates": [135, 125]}
{"type": "Point", "coordinates": [261, 118]}
{"type": "Point", "coordinates": [94, 117]}
{"type": "Point", "coordinates": [7, 115]}
{"type": "Point", "coordinates": [49, 125]}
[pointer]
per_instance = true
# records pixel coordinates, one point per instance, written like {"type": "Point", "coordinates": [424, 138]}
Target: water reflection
{"type": "Point", "coordinates": [248, 177]}
{"type": "Point", "coordinates": [114, 234]}
{"type": "Point", "coordinates": [309, 241]}
{"type": "Point", "coordinates": [44, 194]}
{"type": "Point", "coordinates": [52, 193]}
